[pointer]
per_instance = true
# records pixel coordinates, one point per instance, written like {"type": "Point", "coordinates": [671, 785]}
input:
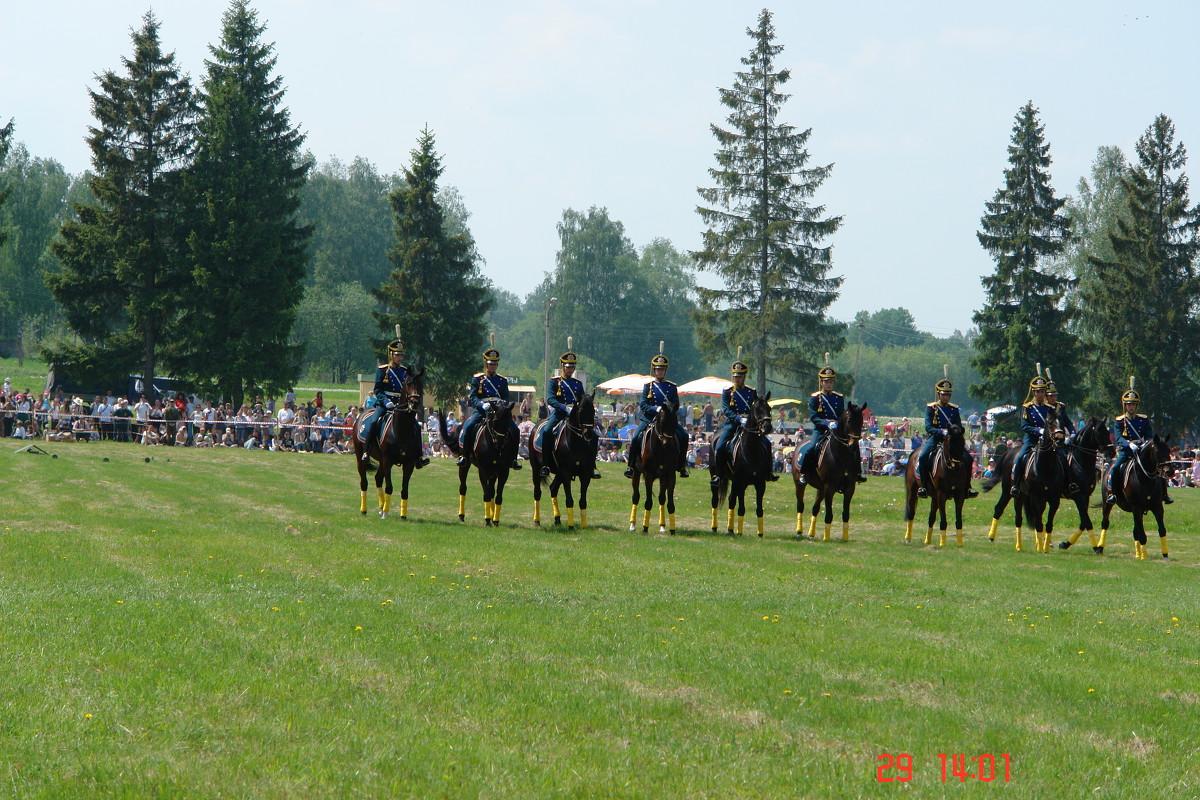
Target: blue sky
{"type": "Point", "coordinates": [540, 106]}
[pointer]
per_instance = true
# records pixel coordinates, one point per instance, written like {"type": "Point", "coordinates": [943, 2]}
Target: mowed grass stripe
{"type": "Point", "coordinates": [235, 628]}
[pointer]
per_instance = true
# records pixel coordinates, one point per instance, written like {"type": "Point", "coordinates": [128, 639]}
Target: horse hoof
{"type": "Point", "coordinates": [760, 536]}
{"type": "Point", "coordinates": [714, 529]}
{"type": "Point", "coordinates": [558, 520]}
{"type": "Point", "coordinates": [537, 523]}
{"type": "Point", "coordinates": [1064, 545]}
{"type": "Point", "coordinates": [570, 527]}
{"type": "Point", "coordinates": [383, 515]}
{"type": "Point", "coordinates": [403, 517]}
{"type": "Point", "coordinates": [1098, 551]}
{"type": "Point", "coordinates": [364, 513]}
{"type": "Point", "coordinates": [645, 530]}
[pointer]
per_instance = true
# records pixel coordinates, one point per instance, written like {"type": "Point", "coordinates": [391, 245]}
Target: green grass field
{"type": "Point", "coordinates": [225, 624]}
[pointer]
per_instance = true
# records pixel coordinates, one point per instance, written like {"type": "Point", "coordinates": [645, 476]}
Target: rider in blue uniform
{"type": "Point", "coordinates": [654, 395]}
{"type": "Point", "coordinates": [388, 392]}
{"type": "Point", "coordinates": [825, 409]}
{"type": "Point", "coordinates": [735, 406]}
{"type": "Point", "coordinates": [940, 416]}
{"type": "Point", "coordinates": [1132, 432]}
{"type": "Point", "coordinates": [1065, 424]}
{"type": "Point", "coordinates": [1035, 416]}
{"type": "Point", "coordinates": [486, 387]}
{"type": "Point", "coordinates": [562, 393]}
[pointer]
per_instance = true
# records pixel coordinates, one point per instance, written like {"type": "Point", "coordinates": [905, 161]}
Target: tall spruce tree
{"type": "Point", "coordinates": [123, 274]}
{"type": "Point", "coordinates": [248, 248]}
{"type": "Point", "coordinates": [435, 292]}
{"type": "Point", "coordinates": [763, 236]}
{"type": "Point", "coordinates": [1146, 296]}
{"type": "Point", "coordinates": [5, 144]}
{"type": "Point", "coordinates": [1023, 321]}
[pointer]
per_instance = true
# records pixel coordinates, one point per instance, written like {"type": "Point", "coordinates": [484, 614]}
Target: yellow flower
{"type": "Point", "coordinates": [87, 716]}
{"type": "Point", "coordinates": [787, 691]}
{"type": "Point", "coordinates": [358, 627]}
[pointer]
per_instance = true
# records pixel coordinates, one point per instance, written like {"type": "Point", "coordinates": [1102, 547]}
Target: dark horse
{"type": "Point", "coordinates": [1140, 490]}
{"type": "Point", "coordinates": [1093, 439]}
{"type": "Point", "coordinates": [493, 454]}
{"type": "Point", "coordinates": [836, 470]}
{"type": "Point", "coordinates": [1039, 490]}
{"type": "Point", "coordinates": [658, 461]}
{"type": "Point", "coordinates": [950, 478]}
{"type": "Point", "coordinates": [571, 453]}
{"type": "Point", "coordinates": [750, 464]}
{"type": "Point", "coordinates": [398, 443]}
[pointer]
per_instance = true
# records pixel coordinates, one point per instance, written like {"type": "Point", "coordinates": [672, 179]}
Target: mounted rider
{"type": "Point", "coordinates": [736, 401]}
{"type": "Point", "coordinates": [825, 408]}
{"type": "Point", "coordinates": [388, 393]}
{"type": "Point", "coordinates": [562, 393]}
{"type": "Point", "coordinates": [1132, 432]}
{"type": "Point", "coordinates": [1035, 416]}
{"type": "Point", "coordinates": [487, 387]}
{"type": "Point", "coordinates": [655, 395]}
{"type": "Point", "coordinates": [940, 417]}
{"type": "Point", "coordinates": [1065, 425]}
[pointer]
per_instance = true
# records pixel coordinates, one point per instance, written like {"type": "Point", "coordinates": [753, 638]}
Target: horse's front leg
{"type": "Point", "coordinates": [570, 504]}
{"type": "Point", "coordinates": [501, 480]}
{"type": "Point", "coordinates": [362, 487]}
{"type": "Point", "coordinates": [741, 508]}
{"type": "Point", "coordinates": [404, 478]}
{"type": "Point", "coordinates": [1085, 522]}
{"type": "Point", "coordinates": [1105, 518]}
{"type": "Point", "coordinates": [671, 502]}
{"type": "Point", "coordinates": [637, 487]}
{"type": "Point", "coordinates": [760, 489]}
{"type": "Point", "coordinates": [958, 525]}
{"type": "Point", "coordinates": [934, 499]}
{"type": "Point", "coordinates": [535, 468]}
{"type": "Point", "coordinates": [585, 480]}
{"type": "Point", "coordinates": [462, 491]}
{"type": "Point", "coordinates": [1001, 504]}
{"type": "Point", "coordinates": [1162, 528]}
{"type": "Point", "coordinates": [1051, 512]}
{"type": "Point", "coordinates": [1139, 533]}
{"type": "Point", "coordinates": [847, 496]}
{"type": "Point", "coordinates": [649, 504]}
{"type": "Point", "coordinates": [487, 483]}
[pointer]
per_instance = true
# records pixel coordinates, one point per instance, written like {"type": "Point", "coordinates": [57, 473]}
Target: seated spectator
{"type": "Point", "coordinates": [204, 439]}
{"type": "Point", "coordinates": [181, 437]}
{"type": "Point", "coordinates": [251, 442]}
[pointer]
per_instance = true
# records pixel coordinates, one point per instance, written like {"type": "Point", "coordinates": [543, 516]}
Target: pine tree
{"type": "Point", "coordinates": [1023, 321]}
{"type": "Point", "coordinates": [122, 271]}
{"type": "Point", "coordinates": [435, 292]}
{"type": "Point", "coordinates": [247, 247]}
{"type": "Point", "coordinates": [1145, 298]}
{"type": "Point", "coordinates": [763, 235]}
{"type": "Point", "coordinates": [5, 144]}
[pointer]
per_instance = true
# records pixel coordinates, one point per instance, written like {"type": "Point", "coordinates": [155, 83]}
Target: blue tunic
{"type": "Point", "coordinates": [389, 383]}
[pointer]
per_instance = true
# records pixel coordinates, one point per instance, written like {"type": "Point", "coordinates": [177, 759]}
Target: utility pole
{"type": "Point", "coordinates": [857, 351]}
{"type": "Point", "coordinates": [550, 301]}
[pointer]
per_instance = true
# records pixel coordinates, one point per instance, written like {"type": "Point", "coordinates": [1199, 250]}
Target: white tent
{"type": "Point", "coordinates": [707, 385]}
{"type": "Point", "coordinates": [625, 384]}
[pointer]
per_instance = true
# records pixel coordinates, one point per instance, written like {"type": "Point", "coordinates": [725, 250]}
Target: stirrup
{"type": "Point", "coordinates": [516, 463]}
{"type": "Point", "coordinates": [1111, 499]}
{"type": "Point", "coordinates": [971, 493]}
{"type": "Point", "coordinates": [773, 476]}
{"type": "Point", "coordinates": [422, 462]}
{"type": "Point", "coordinates": [629, 473]}
{"type": "Point", "coordinates": [803, 481]}
{"type": "Point", "coordinates": [922, 491]}
{"type": "Point", "coordinates": [596, 475]}
{"type": "Point", "coordinates": [462, 461]}
{"type": "Point", "coordinates": [715, 480]}
{"type": "Point", "coordinates": [1167, 499]}
{"type": "Point", "coordinates": [545, 472]}
{"type": "Point", "coordinates": [683, 473]}
{"type": "Point", "coordinates": [860, 478]}
{"type": "Point", "coordinates": [366, 456]}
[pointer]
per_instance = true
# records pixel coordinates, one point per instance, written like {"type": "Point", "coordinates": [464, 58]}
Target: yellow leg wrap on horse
{"type": "Point", "coordinates": [1103, 536]}
{"type": "Point", "coordinates": [462, 504]}
{"type": "Point", "coordinates": [403, 507]}
{"type": "Point", "coordinates": [812, 527]}
{"type": "Point", "coordinates": [828, 532]}
{"type": "Point", "coordinates": [729, 521]}
{"type": "Point", "coordinates": [632, 514]}
{"type": "Point", "coordinates": [554, 505]}
{"type": "Point", "coordinates": [908, 526]}
{"type": "Point", "coordinates": [1092, 538]}
{"type": "Point", "coordinates": [662, 516]}
{"type": "Point", "coordinates": [1074, 537]}
{"type": "Point", "coordinates": [570, 517]}
{"type": "Point", "coordinates": [583, 518]}
{"type": "Point", "coordinates": [646, 519]}
{"type": "Point", "coordinates": [959, 533]}
{"type": "Point", "coordinates": [941, 538]}
{"type": "Point", "coordinates": [387, 503]}
{"type": "Point", "coordinates": [992, 529]}
{"type": "Point", "coordinates": [362, 505]}
{"type": "Point", "coordinates": [537, 510]}
{"type": "Point", "coordinates": [714, 519]}
{"type": "Point", "coordinates": [487, 510]}
{"type": "Point", "coordinates": [929, 536]}
{"type": "Point", "coordinates": [1018, 532]}
{"type": "Point", "coordinates": [672, 528]}
{"type": "Point", "coordinates": [496, 513]}
{"type": "Point", "coordinates": [380, 493]}
{"type": "Point", "coordinates": [741, 525]}
{"type": "Point", "coordinates": [1163, 540]}
{"type": "Point", "coordinates": [845, 531]}
{"type": "Point", "coordinates": [760, 527]}
{"type": "Point", "coordinates": [799, 522]}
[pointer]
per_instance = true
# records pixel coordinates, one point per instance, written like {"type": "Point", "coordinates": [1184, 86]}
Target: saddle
{"type": "Point", "coordinates": [558, 431]}
{"type": "Point", "coordinates": [366, 420]}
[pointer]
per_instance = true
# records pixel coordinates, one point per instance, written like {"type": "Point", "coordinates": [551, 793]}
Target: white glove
{"type": "Point", "coordinates": [742, 420]}
{"type": "Point", "coordinates": [657, 409]}
{"type": "Point", "coordinates": [943, 432]}
{"type": "Point", "coordinates": [1134, 446]}
{"type": "Point", "coordinates": [1041, 431]}
{"type": "Point", "coordinates": [389, 405]}
{"type": "Point", "coordinates": [486, 406]}
{"type": "Point", "coordinates": [833, 426]}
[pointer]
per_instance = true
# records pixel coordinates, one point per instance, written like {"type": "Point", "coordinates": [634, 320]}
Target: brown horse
{"type": "Point", "coordinates": [837, 469]}
{"type": "Point", "coordinates": [493, 452]}
{"type": "Point", "coordinates": [950, 478]}
{"type": "Point", "coordinates": [570, 454]}
{"type": "Point", "coordinates": [399, 442]}
{"type": "Point", "coordinates": [750, 464]}
{"type": "Point", "coordinates": [658, 461]}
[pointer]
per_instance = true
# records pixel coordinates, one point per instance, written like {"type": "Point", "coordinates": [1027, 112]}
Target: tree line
{"type": "Point", "coordinates": [205, 243]}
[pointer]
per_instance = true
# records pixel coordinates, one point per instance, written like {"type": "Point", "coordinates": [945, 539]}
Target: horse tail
{"type": "Point", "coordinates": [722, 491]}
{"type": "Point", "coordinates": [451, 442]}
{"type": "Point", "coordinates": [993, 479]}
{"type": "Point", "coordinates": [369, 465]}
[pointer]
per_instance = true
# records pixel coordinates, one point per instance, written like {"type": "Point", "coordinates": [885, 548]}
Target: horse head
{"type": "Point", "coordinates": [759, 420]}
{"type": "Point", "coordinates": [664, 422]}
{"type": "Point", "coordinates": [414, 387]}
{"type": "Point", "coordinates": [583, 415]}
{"type": "Point", "coordinates": [852, 421]}
{"type": "Point", "coordinates": [1155, 458]}
{"type": "Point", "coordinates": [1094, 435]}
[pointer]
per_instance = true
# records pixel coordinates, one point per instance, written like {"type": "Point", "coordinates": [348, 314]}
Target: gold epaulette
{"type": "Point", "coordinates": [383, 366]}
{"type": "Point", "coordinates": [478, 374]}
{"type": "Point", "coordinates": [1118, 419]}
{"type": "Point", "coordinates": [951, 405]}
{"type": "Point", "coordinates": [1142, 416]}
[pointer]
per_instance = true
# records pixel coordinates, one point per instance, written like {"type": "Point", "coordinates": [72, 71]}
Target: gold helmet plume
{"type": "Point", "coordinates": [739, 366]}
{"type": "Point", "coordinates": [492, 354]}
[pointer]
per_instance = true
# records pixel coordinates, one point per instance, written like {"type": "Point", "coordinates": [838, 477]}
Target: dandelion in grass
{"type": "Point", "coordinates": [358, 627]}
{"type": "Point", "coordinates": [87, 716]}
{"type": "Point", "coordinates": [1091, 690]}
{"type": "Point", "coordinates": [787, 691]}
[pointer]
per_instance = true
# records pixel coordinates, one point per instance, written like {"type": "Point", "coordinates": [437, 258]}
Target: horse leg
{"type": "Point", "coordinates": [733, 489]}
{"type": "Point", "coordinates": [462, 492]}
{"type": "Point", "coordinates": [828, 513]}
{"type": "Point", "coordinates": [933, 510]}
{"type": "Point", "coordinates": [799, 507]}
{"type": "Point", "coordinates": [584, 480]}
{"type": "Point", "coordinates": [362, 484]}
{"type": "Point", "coordinates": [1085, 524]}
{"type": "Point", "coordinates": [1105, 514]}
{"type": "Point", "coordinates": [1139, 533]}
{"type": "Point", "coordinates": [759, 489]}
{"type": "Point", "coordinates": [816, 509]}
{"type": "Point", "coordinates": [1001, 504]}
{"type": "Point", "coordinates": [1019, 508]}
{"type": "Point", "coordinates": [407, 473]}
{"type": "Point", "coordinates": [637, 486]}
{"type": "Point", "coordinates": [662, 505]}
{"type": "Point", "coordinates": [741, 508]}
{"type": "Point", "coordinates": [570, 504]}
{"type": "Point", "coordinates": [1162, 528]}
{"type": "Point", "coordinates": [379, 485]}
{"type": "Point", "coordinates": [554, 487]}
{"type": "Point", "coordinates": [716, 501]}
{"type": "Point", "coordinates": [487, 482]}
{"type": "Point", "coordinates": [958, 528]}
{"type": "Point", "coordinates": [847, 496]}
{"type": "Point", "coordinates": [535, 467]}
{"type": "Point", "coordinates": [1050, 514]}
{"type": "Point", "coordinates": [671, 502]}
{"type": "Point", "coordinates": [649, 505]}
{"type": "Point", "coordinates": [501, 480]}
